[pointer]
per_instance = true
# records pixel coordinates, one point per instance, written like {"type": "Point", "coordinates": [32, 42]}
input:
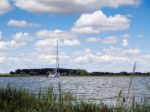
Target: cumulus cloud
{"type": "Point", "coordinates": [54, 34]}
{"type": "Point", "coordinates": [65, 6]}
{"type": "Point", "coordinates": [108, 40]}
{"type": "Point", "coordinates": [47, 39]}
{"type": "Point", "coordinates": [31, 60]}
{"type": "Point", "coordinates": [21, 23]}
{"type": "Point", "coordinates": [97, 22]}
{"type": "Point", "coordinates": [22, 37]}
{"type": "Point", "coordinates": [71, 42]}
{"type": "Point", "coordinates": [45, 43]}
{"type": "Point", "coordinates": [122, 40]}
{"type": "Point", "coordinates": [125, 42]}
{"type": "Point", "coordinates": [4, 6]}
{"type": "Point", "coordinates": [111, 59]}
{"type": "Point", "coordinates": [19, 40]}
{"type": "Point", "coordinates": [111, 55]}
{"type": "Point", "coordinates": [84, 58]}
{"type": "Point", "coordinates": [122, 51]}
{"type": "Point", "coordinates": [49, 45]}
{"type": "Point", "coordinates": [99, 58]}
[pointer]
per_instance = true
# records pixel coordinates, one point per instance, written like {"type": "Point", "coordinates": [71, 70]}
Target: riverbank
{"type": "Point", "coordinates": [20, 75]}
{"type": "Point", "coordinates": [28, 75]}
{"type": "Point", "coordinates": [14, 75]}
{"type": "Point", "coordinates": [20, 100]}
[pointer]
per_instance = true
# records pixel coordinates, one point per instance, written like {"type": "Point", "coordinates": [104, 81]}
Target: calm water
{"type": "Point", "coordinates": [92, 89]}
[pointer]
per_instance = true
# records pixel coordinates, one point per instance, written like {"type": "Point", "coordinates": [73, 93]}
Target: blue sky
{"type": "Point", "coordinates": [96, 35]}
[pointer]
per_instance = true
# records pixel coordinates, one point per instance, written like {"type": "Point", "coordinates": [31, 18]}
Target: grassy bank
{"type": "Point", "coordinates": [19, 100]}
{"type": "Point", "coordinates": [14, 75]}
{"type": "Point", "coordinates": [20, 75]}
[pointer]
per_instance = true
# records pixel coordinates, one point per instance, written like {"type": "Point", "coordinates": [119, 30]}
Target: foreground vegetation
{"type": "Point", "coordinates": [19, 100]}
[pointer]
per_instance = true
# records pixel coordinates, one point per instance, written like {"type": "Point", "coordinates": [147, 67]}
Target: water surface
{"type": "Point", "coordinates": [91, 89]}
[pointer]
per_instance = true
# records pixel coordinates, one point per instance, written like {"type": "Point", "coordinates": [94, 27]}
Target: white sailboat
{"type": "Point", "coordinates": [56, 74]}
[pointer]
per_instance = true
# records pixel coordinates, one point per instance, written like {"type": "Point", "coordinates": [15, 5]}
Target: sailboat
{"type": "Point", "coordinates": [56, 74]}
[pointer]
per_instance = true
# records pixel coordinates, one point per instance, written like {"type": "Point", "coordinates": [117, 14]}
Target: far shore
{"type": "Point", "coordinates": [28, 75]}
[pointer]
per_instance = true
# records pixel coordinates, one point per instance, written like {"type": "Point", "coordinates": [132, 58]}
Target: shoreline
{"type": "Point", "coordinates": [17, 75]}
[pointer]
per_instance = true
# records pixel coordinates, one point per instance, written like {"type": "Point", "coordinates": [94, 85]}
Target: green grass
{"type": "Point", "coordinates": [14, 75]}
{"type": "Point", "coordinates": [20, 100]}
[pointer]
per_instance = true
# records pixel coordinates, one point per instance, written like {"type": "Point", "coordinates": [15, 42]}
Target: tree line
{"type": "Point", "coordinates": [71, 72]}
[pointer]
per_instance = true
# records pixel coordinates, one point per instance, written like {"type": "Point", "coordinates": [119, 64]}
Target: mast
{"type": "Point", "coordinates": [57, 59]}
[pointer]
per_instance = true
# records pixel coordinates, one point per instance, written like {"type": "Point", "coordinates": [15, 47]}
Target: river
{"type": "Point", "coordinates": [91, 89]}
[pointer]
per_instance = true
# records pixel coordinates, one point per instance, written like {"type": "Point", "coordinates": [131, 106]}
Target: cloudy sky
{"type": "Point", "coordinates": [97, 35]}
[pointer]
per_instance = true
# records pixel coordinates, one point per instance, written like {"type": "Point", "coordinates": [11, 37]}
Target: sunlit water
{"type": "Point", "coordinates": [91, 89]}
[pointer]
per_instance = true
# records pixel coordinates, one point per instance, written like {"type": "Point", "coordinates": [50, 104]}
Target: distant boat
{"type": "Point", "coordinates": [56, 74]}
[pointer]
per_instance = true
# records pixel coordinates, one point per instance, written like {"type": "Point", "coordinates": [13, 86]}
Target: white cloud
{"type": "Point", "coordinates": [84, 30]}
{"type": "Point", "coordinates": [95, 58]}
{"type": "Point", "coordinates": [71, 42]}
{"type": "Point", "coordinates": [111, 55]}
{"type": "Point", "coordinates": [19, 40]}
{"type": "Point", "coordinates": [10, 45]}
{"type": "Point", "coordinates": [22, 23]}
{"type": "Point", "coordinates": [122, 51]}
{"type": "Point", "coordinates": [97, 22]}
{"type": "Point", "coordinates": [54, 34]}
{"type": "Point", "coordinates": [125, 42]}
{"type": "Point", "coordinates": [47, 39]}
{"type": "Point", "coordinates": [84, 58]}
{"type": "Point", "coordinates": [4, 6]}
{"type": "Point", "coordinates": [22, 37]}
{"type": "Point", "coordinates": [49, 45]}
{"type": "Point", "coordinates": [108, 40]}
{"type": "Point", "coordinates": [111, 59]}
{"type": "Point", "coordinates": [122, 40]}
{"type": "Point", "coordinates": [45, 43]}
{"type": "Point", "coordinates": [65, 6]}
{"type": "Point", "coordinates": [32, 60]}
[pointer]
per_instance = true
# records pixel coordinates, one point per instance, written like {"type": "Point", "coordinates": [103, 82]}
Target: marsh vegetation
{"type": "Point", "coordinates": [20, 100]}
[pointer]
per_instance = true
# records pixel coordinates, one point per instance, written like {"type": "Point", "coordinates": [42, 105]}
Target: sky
{"type": "Point", "coordinates": [96, 35]}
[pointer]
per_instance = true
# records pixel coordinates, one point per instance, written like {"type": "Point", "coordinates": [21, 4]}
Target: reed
{"type": "Point", "coordinates": [20, 100]}
{"type": "Point", "coordinates": [130, 83]}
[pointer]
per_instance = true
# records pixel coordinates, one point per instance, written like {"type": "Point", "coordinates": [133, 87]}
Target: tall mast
{"type": "Point", "coordinates": [57, 59]}
{"type": "Point", "coordinates": [57, 56]}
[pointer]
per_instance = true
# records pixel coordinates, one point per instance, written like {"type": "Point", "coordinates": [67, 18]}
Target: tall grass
{"type": "Point", "coordinates": [20, 100]}
{"type": "Point", "coordinates": [130, 83]}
